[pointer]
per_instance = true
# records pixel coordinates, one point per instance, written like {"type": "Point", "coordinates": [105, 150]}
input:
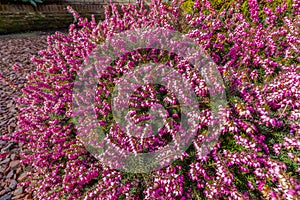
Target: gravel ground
{"type": "Point", "coordinates": [14, 48]}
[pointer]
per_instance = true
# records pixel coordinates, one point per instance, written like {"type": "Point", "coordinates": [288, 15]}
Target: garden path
{"type": "Point", "coordinates": [14, 48]}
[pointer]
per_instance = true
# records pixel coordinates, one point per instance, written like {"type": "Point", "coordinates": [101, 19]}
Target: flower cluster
{"type": "Point", "coordinates": [257, 155]}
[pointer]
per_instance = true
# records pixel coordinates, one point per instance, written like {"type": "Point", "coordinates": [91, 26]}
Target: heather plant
{"type": "Point", "coordinates": [257, 154]}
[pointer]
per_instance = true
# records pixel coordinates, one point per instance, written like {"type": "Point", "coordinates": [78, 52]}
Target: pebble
{"type": "Point", "coordinates": [8, 147]}
{"type": "Point", "coordinates": [7, 189]}
{"type": "Point", "coordinates": [5, 161]}
{"type": "Point", "coordinates": [20, 196]}
{"type": "Point", "coordinates": [18, 191]}
{"type": "Point", "coordinates": [10, 103]}
{"type": "Point", "coordinates": [10, 174]}
{"type": "Point", "coordinates": [11, 120]}
{"type": "Point", "coordinates": [2, 168]}
{"type": "Point", "coordinates": [13, 125]}
{"type": "Point", "coordinates": [12, 110]}
{"type": "Point", "coordinates": [22, 176]}
{"type": "Point", "coordinates": [19, 170]}
{"type": "Point", "coordinates": [6, 197]}
{"type": "Point", "coordinates": [14, 163]}
{"type": "Point", "coordinates": [28, 196]}
{"type": "Point", "coordinates": [10, 130]}
{"type": "Point", "coordinates": [2, 123]}
{"type": "Point", "coordinates": [13, 184]}
{"type": "Point", "coordinates": [13, 156]}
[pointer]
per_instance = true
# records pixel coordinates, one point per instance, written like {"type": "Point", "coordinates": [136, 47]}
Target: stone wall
{"type": "Point", "coordinates": [20, 18]}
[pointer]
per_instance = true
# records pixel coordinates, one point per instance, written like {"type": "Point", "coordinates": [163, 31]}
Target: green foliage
{"type": "Point", "coordinates": [220, 5]}
{"type": "Point", "coordinates": [32, 2]}
{"type": "Point", "coordinates": [187, 6]}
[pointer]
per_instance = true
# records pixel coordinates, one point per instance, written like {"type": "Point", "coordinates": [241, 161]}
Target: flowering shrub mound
{"type": "Point", "coordinates": [257, 155]}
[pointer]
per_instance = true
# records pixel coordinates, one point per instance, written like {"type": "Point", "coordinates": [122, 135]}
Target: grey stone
{"type": "Point", "coordinates": [6, 197]}
{"type": "Point", "coordinates": [7, 189]}
{"type": "Point", "coordinates": [10, 174]}
{"type": "Point", "coordinates": [18, 191]}
{"type": "Point", "coordinates": [8, 147]}
{"type": "Point", "coordinates": [2, 123]}
{"type": "Point", "coordinates": [9, 104]}
{"type": "Point", "coordinates": [13, 184]}
{"type": "Point", "coordinates": [2, 168]}
{"type": "Point", "coordinates": [13, 156]}
{"type": "Point", "coordinates": [11, 120]}
{"type": "Point", "coordinates": [5, 161]}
